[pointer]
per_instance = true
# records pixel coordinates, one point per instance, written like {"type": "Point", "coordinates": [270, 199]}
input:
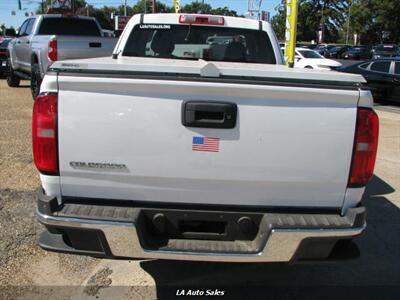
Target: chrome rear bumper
{"type": "Point", "coordinates": [123, 241]}
{"type": "Point", "coordinates": [275, 243]}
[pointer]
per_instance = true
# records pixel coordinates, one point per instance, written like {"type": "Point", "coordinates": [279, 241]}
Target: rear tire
{"type": "Point", "coordinates": [36, 80]}
{"type": "Point", "coordinates": [308, 67]}
{"type": "Point", "coordinates": [12, 79]}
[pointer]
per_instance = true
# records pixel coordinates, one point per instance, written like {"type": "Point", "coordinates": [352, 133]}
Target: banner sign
{"type": "Point", "coordinates": [265, 16]}
{"type": "Point", "coordinates": [121, 21]}
{"type": "Point", "coordinates": [177, 5]}
{"type": "Point", "coordinates": [290, 34]}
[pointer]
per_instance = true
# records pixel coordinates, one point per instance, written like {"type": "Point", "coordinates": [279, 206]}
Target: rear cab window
{"type": "Point", "coordinates": [69, 26]}
{"type": "Point", "coordinates": [211, 43]}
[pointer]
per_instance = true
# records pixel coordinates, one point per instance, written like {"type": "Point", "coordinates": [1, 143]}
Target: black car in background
{"type": "Point", "coordinates": [336, 52]}
{"type": "Point", "coordinates": [358, 52]}
{"type": "Point", "coordinates": [3, 56]}
{"type": "Point", "coordinates": [383, 51]}
{"type": "Point", "coordinates": [382, 75]}
{"type": "Point", "coordinates": [323, 48]}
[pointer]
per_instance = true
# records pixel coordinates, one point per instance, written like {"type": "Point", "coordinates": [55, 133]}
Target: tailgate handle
{"type": "Point", "coordinates": [209, 114]}
{"type": "Point", "coordinates": [95, 45]}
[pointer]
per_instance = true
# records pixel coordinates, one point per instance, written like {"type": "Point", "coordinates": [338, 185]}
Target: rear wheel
{"type": "Point", "coordinates": [36, 80]}
{"type": "Point", "coordinates": [12, 79]}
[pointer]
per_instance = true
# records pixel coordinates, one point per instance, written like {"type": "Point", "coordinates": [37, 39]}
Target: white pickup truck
{"type": "Point", "coordinates": [194, 142]}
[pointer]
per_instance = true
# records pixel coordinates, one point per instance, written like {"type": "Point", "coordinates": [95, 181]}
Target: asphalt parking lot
{"type": "Point", "coordinates": [27, 272]}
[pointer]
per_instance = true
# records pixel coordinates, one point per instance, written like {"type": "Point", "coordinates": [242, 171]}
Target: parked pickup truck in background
{"type": "Point", "coordinates": [43, 39]}
{"type": "Point", "coordinates": [194, 142]}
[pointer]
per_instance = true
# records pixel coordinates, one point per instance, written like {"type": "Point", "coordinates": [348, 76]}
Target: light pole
{"type": "Point", "coordinates": [321, 38]}
{"type": "Point", "coordinates": [125, 9]}
{"type": "Point", "coordinates": [348, 23]}
{"type": "Point", "coordinates": [254, 7]}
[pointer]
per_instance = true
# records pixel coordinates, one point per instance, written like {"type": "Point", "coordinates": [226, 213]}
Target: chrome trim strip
{"type": "Point", "coordinates": [123, 241]}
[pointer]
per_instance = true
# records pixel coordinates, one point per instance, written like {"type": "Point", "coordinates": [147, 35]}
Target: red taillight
{"type": "Point", "coordinates": [365, 148]}
{"type": "Point", "coordinates": [44, 133]}
{"type": "Point", "coordinates": [52, 51]}
{"type": "Point", "coordinates": [201, 19]}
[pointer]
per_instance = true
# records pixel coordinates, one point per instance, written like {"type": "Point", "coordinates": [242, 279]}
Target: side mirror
{"type": "Point", "coordinates": [297, 58]}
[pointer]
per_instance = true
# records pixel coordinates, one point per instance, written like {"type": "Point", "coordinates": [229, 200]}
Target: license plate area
{"type": "Point", "coordinates": [158, 227]}
{"type": "Point", "coordinates": [193, 227]}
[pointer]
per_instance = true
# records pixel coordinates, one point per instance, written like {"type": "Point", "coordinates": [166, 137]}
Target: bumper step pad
{"type": "Point", "coordinates": [122, 231]}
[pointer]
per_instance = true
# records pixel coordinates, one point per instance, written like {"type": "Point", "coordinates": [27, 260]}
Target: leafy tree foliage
{"type": "Point", "coordinates": [375, 21]}
{"type": "Point", "coordinates": [139, 7]}
{"type": "Point", "coordinates": [103, 14]}
{"type": "Point", "coordinates": [2, 29]}
{"type": "Point", "coordinates": [78, 4]}
{"type": "Point", "coordinates": [312, 14]}
{"type": "Point", "coordinates": [205, 8]}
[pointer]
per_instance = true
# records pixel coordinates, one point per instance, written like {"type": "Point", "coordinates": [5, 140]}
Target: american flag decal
{"type": "Point", "coordinates": [205, 144]}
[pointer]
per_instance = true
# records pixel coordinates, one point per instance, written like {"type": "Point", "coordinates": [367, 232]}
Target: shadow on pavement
{"type": "Point", "coordinates": [20, 86]}
{"type": "Point", "coordinates": [377, 187]}
{"type": "Point", "coordinates": [4, 77]}
{"type": "Point", "coordinates": [375, 274]}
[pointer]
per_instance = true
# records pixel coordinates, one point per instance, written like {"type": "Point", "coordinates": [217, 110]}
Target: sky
{"type": "Point", "coordinates": [28, 6]}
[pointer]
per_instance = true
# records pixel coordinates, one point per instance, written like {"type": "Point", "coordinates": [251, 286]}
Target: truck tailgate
{"type": "Point", "coordinates": [123, 138]}
{"type": "Point", "coordinates": [74, 47]}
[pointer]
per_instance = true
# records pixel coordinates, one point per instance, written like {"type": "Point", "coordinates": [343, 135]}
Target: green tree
{"type": "Point", "coordinates": [197, 7]}
{"type": "Point", "coordinates": [2, 29]}
{"type": "Point", "coordinates": [205, 8]}
{"type": "Point", "coordinates": [140, 7]}
{"type": "Point", "coordinates": [224, 11]}
{"type": "Point", "coordinates": [42, 7]}
{"type": "Point", "coordinates": [279, 20]}
{"type": "Point", "coordinates": [375, 21]}
{"type": "Point", "coordinates": [103, 14]}
{"type": "Point", "coordinates": [311, 16]}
